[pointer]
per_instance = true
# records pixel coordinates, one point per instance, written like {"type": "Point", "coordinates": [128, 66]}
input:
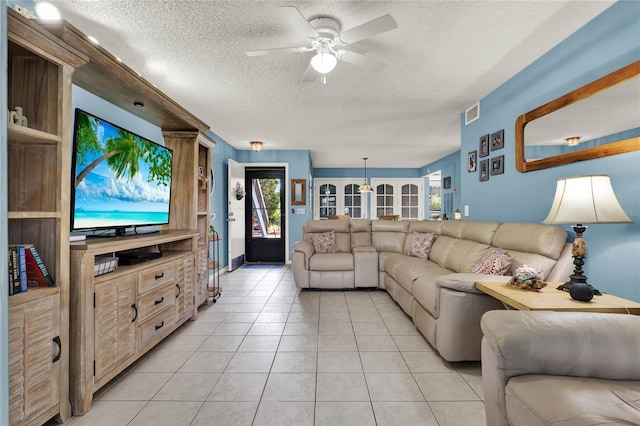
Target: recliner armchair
{"type": "Point", "coordinates": [570, 368]}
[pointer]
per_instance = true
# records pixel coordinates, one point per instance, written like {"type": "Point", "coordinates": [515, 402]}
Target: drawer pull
{"type": "Point", "coordinates": [158, 327]}
{"type": "Point", "coordinates": [157, 302]}
{"type": "Point", "coordinates": [56, 340]}
{"type": "Point", "coordinates": [179, 290]}
{"type": "Point", "coordinates": [159, 276]}
{"type": "Point", "coordinates": [135, 309]}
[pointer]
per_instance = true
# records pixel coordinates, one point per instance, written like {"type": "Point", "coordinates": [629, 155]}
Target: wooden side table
{"type": "Point", "coordinates": [550, 299]}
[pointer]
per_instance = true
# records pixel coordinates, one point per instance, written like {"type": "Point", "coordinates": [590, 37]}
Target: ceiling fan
{"type": "Point", "coordinates": [329, 43]}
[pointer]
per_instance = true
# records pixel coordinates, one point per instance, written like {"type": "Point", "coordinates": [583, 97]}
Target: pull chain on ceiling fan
{"type": "Point", "coordinates": [329, 43]}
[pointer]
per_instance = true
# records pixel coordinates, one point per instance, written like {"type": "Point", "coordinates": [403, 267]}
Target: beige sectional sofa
{"type": "Point", "coordinates": [438, 293]}
{"type": "Point", "coordinates": [570, 368]}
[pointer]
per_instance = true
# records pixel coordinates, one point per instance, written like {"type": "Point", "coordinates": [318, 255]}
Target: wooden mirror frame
{"type": "Point", "coordinates": [302, 200]}
{"type": "Point", "coordinates": [603, 83]}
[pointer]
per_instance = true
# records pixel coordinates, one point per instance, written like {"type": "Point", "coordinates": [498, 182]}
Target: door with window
{"type": "Point", "coordinates": [338, 197]}
{"type": "Point", "coordinates": [403, 197]}
{"type": "Point", "coordinates": [265, 226]}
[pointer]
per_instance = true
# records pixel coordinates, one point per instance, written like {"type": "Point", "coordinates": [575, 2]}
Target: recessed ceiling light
{"type": "Point", "coordinates": [118, 59]}
{"type": "Point", "coordinates": [93, 40]}
{"type": "Point", "coordinates": [138, 104]}
{"type": "Point", "coordinates": [47, 11]}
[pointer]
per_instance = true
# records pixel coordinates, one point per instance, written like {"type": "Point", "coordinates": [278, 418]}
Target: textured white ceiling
{"type": "Point", "coordinates": [444, 57]}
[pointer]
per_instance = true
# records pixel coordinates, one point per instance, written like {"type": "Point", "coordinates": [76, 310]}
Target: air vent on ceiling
{"type": "Point", "coordinates": [472, 114]}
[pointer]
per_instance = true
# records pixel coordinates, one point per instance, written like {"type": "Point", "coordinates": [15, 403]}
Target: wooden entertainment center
{"type": "Point", "coordinates": [68, 341]}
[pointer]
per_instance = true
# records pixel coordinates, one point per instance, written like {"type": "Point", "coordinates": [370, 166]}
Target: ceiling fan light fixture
{"type": "Point", "coordinates": [324, 62]}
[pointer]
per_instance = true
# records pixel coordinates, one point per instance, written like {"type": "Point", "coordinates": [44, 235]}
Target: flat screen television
{"type": "Point", "coordinates": [120, 181]}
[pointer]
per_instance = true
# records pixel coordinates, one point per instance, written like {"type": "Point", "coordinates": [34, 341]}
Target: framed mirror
{"type": "Point", "coordinates": [298, 192]}
{"type": "Point", "coordinates": [603, 114]}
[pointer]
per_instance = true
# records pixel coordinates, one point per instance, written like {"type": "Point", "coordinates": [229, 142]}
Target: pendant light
{"type": "Point", "coordinates": [365, 187]}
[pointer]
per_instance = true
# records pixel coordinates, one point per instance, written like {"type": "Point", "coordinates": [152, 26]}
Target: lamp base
{"type": "Point", "coordinates": [567, 286]}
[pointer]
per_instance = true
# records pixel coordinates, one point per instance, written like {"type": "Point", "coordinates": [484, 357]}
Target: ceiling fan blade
{"type": "Point", "coordinates": [310, 74]}
{"type": "Point", "coordinates": [297, 20]}
{"type": "Point", "coordinates": [369, 29]}
{"type": "Point", "coordinates": [272, 51]}
{"type": "Point", "coordinates": [360, 60]}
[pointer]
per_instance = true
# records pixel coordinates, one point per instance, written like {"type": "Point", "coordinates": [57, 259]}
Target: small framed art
{"type": "Point", "coordinates": [484, 170]}
{"type": "Point", "coordinates": [497, 165]}
{"type": "Point", "coordinates": [472, 161]}
{"type": "Point", "coordinates": [446, 182]}
{"type": "Point", "coordinates": [497, 140]}
{"type": "Point", "coordinates": [484, 146]}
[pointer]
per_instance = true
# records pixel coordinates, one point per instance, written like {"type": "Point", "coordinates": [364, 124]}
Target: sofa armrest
{"type": "Point", "coordinates": [564, 343]}
{"type": "Point", "coordinates": [466, 282]}
{"type": "Point", "coordinates": [307, 249]}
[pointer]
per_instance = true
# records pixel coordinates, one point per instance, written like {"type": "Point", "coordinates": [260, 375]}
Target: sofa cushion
{"type": "Point", "coordinates": [331, 262]}
{"type": "Point", "coordinates": [360, 232]}
{"type": "Point", "coordinates": [481, 232]}
{"type": "Point", "coordinates": [495, 263]}
{"type": "Point", "coordinates": [404, 270]}
{"type": "Point", "coordinates": [554, 400]}
{"type": "Point", "coordinates": [420, 244]}
{"type": "Point", "coordinates": [425, 226]}
{"type": "Point", "coordinates": [424, 288]}
{"type": "Point", "coordinates": [324, 242]}
{"type": "Point", "coordinates": [544, 240]}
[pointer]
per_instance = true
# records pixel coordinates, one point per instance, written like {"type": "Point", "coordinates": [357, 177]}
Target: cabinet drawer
{"type": "Point", "coordinates": [157, 300]}
{"type": "Point", "coordinates": [156, 276]}
{"type": "Point", "coordinates": [157, 326]}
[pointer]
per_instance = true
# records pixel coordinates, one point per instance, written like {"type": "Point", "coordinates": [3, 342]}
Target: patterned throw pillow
{"type": "Point", "coordinates": [324, 242]}
{"type": "Point", "coordinates": [495, 263]}
{"type": "Point", "coordinates": [421, 244]}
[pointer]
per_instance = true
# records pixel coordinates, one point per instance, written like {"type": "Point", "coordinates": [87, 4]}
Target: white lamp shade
{"type": "Point", "coordinates": [585, 199]}
{"type": "Point", "coordinates": [324, 62]}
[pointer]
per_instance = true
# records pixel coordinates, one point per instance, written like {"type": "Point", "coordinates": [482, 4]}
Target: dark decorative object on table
{"type": "Point", "coordinates": [582, 292]}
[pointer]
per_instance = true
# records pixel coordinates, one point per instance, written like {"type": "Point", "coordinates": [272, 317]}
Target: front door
{"type": "Point", "coordinates": [265, 225]}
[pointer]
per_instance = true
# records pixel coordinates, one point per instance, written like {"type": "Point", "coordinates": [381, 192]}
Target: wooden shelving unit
{"type": "Point", "coordinates": [40, 69]}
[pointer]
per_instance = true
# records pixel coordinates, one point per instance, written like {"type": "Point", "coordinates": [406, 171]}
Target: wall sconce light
{"type": "Point", "coordinates": [457, 215]}
{"type": "Point", "coordinates": [256, 145]}
{"type": "Point", "coordinates": [573, 140]}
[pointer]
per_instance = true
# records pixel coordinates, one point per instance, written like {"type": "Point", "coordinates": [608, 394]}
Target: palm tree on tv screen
{"type": "Point", "coordinates": [122, 154]}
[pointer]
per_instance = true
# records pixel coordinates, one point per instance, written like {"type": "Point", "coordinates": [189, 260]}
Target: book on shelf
{"type": "Point", "coordinates": [11, 291]}
{"type": "Point", "coordinates": [18, 268]}
{"type": "Point", "coordinates": [36, 271]}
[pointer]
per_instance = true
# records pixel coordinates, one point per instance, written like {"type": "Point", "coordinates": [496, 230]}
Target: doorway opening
{"type": "Point", "coordinates": [265, 215]}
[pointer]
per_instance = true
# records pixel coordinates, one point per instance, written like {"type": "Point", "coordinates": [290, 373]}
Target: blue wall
{"type": "Point", "coordinates": [609, 42]}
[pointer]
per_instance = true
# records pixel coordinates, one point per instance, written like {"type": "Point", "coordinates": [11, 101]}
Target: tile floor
{"type": "Point", "coordinates": [269, 354]}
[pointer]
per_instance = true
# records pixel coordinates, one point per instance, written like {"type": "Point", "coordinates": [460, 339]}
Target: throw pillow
{"type": "Point", "coordinates": [495, 263]}
{"type": "Point", "coordinates": [324, 242]}
{"type": "Point", "coordinates": [421, 244]}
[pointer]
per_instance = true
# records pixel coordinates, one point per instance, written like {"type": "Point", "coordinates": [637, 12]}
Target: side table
{"type": "Point", "coordinates": [550, 299]}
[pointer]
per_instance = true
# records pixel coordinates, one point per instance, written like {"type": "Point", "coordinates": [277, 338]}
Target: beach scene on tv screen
{"type": "Point", "coordinates": [121, 179]}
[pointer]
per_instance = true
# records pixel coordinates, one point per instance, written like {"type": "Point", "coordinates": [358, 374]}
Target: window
{"type": "Point", "coordinates": [327, 204]}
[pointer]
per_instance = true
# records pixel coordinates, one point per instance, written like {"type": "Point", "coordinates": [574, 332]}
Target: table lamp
{"type": "Point", "coordinates": [581, 200]}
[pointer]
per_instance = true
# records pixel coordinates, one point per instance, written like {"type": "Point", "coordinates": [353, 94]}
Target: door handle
{"type": "Point", "coordinates": [231, 219]}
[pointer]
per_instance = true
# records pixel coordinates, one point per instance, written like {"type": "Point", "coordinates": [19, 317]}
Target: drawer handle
{"type": "Point", "coordinates": [56, 340]}
{"type": "Point", "coordinates": [135, 309]}
{"type": "Point", "coordinates": [158, 327]}
{"type": "Point", "coordinates": [157, 302]}
{"type": "Point", "coordinates": [159, 276]}
{"type": "Point", "coordinates": [179, 290]}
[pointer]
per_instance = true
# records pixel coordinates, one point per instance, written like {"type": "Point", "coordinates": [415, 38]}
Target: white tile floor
{"type": "Point", "coordinates": [269, 354]}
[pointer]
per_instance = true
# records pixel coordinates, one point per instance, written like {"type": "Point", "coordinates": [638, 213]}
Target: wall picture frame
{"type": "Point", "coordinates": [446, 182]}
{"type": "Point", "coordinates": [497, 165]}
{"type": "Point", "coordinates": [472, 161]}
{"type": "Point", "coordinates": [483, 148]}
{"type": "Point", "coordinates": [484, 170]}
{"type": "Point", "coordinates": [497, 140]}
